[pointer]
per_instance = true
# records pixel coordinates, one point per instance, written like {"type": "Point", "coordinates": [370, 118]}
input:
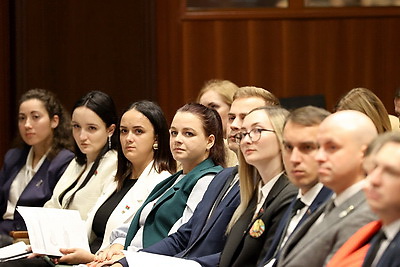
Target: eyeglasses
{"type": "Point", "coordinates": [254, 134]}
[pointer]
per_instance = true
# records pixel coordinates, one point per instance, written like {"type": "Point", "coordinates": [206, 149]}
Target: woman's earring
{"type": "Point", "coordinates": [155, 146]}
{"type": "Point", "coordinates": [109, 142]}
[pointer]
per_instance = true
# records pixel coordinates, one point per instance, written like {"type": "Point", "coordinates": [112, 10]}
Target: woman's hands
{"type": "Point", "coordinates": [108, 256]}
{"type": "Point", "coordinates": [75, 256]}
{"type": "Point", "coordinates": [109, 253]}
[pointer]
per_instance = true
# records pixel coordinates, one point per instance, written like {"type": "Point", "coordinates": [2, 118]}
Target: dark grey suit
{"type": "Point", "coordinates": [313, 245]}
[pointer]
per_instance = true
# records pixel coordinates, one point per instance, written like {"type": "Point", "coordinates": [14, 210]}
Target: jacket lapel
{"type": "Point", "coordinates": [224, 203]}
{"type": "Point", "coordinates": [335, 216]}
{"type": "Point", "coordinates": [323, 195]}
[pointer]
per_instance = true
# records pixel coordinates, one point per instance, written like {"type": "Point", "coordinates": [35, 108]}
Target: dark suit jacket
{"type": "Point", "coordinates": [241, 249]}
{"type": "Point", "coordinates": [326, 237]}
{"type": "Point", "coordinates": [391, 258]}
{"type": "Point", "coordinates": [170, 204]}
{"type": "Point", "coordinates": [201, 238]}
{"type": "Point", "coordinates": [38, 190]}
{"type": "Point", "coordinates": [320, 199]}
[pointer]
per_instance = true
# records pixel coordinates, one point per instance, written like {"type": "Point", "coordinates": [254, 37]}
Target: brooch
{"type": "Point", "coordinates": [345, 212]}
{"type": "Point", "coordinates": [126, 208]}
{"type": "Point", "coordinates": [257, 229]}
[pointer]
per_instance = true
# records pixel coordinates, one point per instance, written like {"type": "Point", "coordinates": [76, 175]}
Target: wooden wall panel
{"type": "Point", "coordinates": [72, 47]}
{"type": "Point", "coordinates": [291, 56]}
{"type": "Point", "coordinates": [6, 96]}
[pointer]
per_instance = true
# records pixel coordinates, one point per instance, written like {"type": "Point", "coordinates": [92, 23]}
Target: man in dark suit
{"type": "Point", "coordinates": [202, 238]}
{"type": "Point", "coordinates": [342, 138]}
{"type": "Point", "coordinates": [299, 148]}
{"type": "Point", "coordinates": [378, 243]}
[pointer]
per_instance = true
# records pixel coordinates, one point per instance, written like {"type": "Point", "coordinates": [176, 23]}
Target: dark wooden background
{"type": "Point", "coordinates": [157, 50]}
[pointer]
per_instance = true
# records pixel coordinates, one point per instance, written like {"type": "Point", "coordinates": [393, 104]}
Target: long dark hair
{"type": "Point", "coordinates": [103, 105]}
{"type": "Point", "coordinates": [163, 160]}
{"type": "Point", "coordinates": [62, 138]}
{"type": "Point", "coordinates": [212, 125]}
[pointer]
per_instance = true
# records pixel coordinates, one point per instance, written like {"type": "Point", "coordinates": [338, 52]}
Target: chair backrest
{"type": "Point", "coordinates": [301, 101]}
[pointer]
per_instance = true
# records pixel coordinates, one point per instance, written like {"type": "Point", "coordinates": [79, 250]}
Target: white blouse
{"type": "Point", "coordinates": [22, 179]}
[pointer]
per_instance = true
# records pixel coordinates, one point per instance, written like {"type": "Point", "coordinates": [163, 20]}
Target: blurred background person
{"type": "Point", "coordinates": [218, 95]}
{"type": "Point", "coordinates": [365, 101]}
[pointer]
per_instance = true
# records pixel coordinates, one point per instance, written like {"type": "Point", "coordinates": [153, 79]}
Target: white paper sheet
{"type": "Point", "coordinates": [52, 229]}
{"type": "Point", "coordinates": [140, 259]}
{"type": "Point", "coordinates": [14, 251]}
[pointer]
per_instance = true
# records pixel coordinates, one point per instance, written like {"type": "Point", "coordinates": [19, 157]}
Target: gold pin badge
{"type": "Point", "coordinates": [257, 229]}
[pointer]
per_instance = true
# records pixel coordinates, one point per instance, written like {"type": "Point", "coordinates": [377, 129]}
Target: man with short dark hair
{"type": "Point", "coordinates": [299, 149]}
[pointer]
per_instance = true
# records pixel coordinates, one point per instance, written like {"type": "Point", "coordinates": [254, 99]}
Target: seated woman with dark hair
{"type": "Point", "coordinates": [94, 119]}
{"type": "Point", "coordinates": [31, 171]}
{"type": "Point", "coordinates": [144, 160]}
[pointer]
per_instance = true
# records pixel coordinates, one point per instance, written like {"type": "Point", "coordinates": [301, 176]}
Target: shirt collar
{"type": "Point", "coordinates": [265, 189]}
{"type": "Point", "coordinates": [29, 160]}
{"type": "Point", "coordinates": [348, 193]}
{"type": "Point", "coordinates": [391, 230]}
{"type": "Point", "coordinates": [311, 194]}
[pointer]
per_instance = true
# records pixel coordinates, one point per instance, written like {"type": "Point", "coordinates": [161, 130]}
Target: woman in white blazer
{"type": "Point", "coordinates": [144, 160]}
{"type": "Point", "coordinates": [94, 120]}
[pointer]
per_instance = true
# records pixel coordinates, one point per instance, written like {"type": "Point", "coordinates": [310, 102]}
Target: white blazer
{"type": "Point", "coordinates": [129, 204]}
{"type": "Point", "coordinates": [86, 197]}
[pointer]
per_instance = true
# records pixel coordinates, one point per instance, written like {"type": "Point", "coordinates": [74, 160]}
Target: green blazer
{"type": "Point", "coordinates": [170, 205]}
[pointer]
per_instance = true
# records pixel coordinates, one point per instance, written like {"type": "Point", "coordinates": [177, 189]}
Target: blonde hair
{"type": "Point", "coordinates": [252, 91]}
{"type": "Point", "coordinates": [365, 101]}
{"type": "Point", "coordinates": [248, 174]}
{"type": "Point", "coordinates": [226, 89]}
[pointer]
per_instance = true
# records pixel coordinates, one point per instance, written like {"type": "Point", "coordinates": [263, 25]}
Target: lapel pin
{"type": "Point", "coordinates": [126, 209]}
{"type": "Point", "coordinates": [347, 211]}
{"type": "Point", "coordinates": [257, 229]}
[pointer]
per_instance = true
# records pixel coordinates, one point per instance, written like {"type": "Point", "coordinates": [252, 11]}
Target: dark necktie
{"type": "Point", "coordinates": [298, 205]}
{"type": "Point", "coordinates": [375, 245]}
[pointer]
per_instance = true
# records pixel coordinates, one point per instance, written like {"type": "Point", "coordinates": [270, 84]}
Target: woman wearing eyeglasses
{"type": "Point", "coordinates": [265, 191]}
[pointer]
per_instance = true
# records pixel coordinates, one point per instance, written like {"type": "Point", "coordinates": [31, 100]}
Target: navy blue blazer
{"type": "Point", "coordinates": [323, 195]}
{"type": "Point", "coordinates": [38, 190]}
{"type": "Point", "coordinates": [202, 238]}
{"type": "Point", "coordinates": [390, 257]}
